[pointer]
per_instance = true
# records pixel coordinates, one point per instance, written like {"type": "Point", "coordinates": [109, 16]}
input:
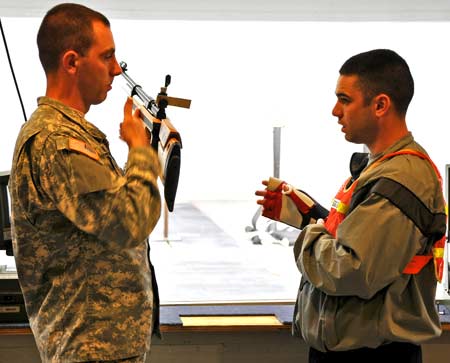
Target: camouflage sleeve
{"type": "Point", "coordinates": [97, 197]}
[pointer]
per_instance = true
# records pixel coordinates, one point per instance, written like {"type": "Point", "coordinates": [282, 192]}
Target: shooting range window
{"type": "Point", "coordinates": [248, 82]}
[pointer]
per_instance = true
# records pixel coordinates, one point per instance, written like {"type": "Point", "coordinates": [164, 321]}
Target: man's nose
{"type": "Point", "coordinates": [117, 69]}
{"type": "Point", "coordinates": [336, 111]}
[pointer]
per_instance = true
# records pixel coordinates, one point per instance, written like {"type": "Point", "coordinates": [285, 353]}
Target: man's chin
{"type": "Point", "coordinates": [351, 139]}
{"type": "Point", "coordinates": [100, 99]}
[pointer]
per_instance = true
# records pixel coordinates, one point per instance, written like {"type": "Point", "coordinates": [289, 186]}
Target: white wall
{"type": "Point", "coordinates": [244, 78]}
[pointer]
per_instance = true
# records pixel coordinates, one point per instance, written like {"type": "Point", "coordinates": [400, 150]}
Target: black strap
{"type": "Point", "coordinates": [431, 224]}
{"type": "Point", "coordinates": [12, 70]}
{"type": "Point", "coordinates": [358, 162]}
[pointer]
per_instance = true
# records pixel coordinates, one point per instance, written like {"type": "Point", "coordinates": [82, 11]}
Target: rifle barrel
{"type": "Point", "coordinates": [137, 90]}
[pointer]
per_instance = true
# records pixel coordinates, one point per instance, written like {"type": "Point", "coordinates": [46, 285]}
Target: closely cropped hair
{"type": "Point", "coordinates": [66, 27]}
{"type": "Point", "coordinates": [382, 71]}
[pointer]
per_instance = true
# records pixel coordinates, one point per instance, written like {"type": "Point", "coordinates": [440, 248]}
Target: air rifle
{"type": "Point", "coordinates": [166, 140]}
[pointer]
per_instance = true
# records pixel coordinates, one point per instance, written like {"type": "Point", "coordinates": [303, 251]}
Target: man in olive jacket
{"type": "Point", "coordinates": [364, 296]}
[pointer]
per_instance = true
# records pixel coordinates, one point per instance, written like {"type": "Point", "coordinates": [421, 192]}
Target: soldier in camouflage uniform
{"type": "Point", "coordinates": [80, 223]}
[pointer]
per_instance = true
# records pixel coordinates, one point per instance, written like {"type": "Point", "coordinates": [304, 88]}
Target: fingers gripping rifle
{"type": "Point", "coordinates": [166, 140]}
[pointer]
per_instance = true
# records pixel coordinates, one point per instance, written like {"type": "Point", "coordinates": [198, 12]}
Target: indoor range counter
{"type": "Point", "coordinates": [216, 333]}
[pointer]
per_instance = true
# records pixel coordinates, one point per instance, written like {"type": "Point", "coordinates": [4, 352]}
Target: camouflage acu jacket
{"type": "Point", "coordinates": [80, 228]}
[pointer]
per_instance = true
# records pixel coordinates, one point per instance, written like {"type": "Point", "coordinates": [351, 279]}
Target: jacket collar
{"type": "Point", "coordinates": [398, 145]}
{"type": "Point", "coordinates": [73, 115]}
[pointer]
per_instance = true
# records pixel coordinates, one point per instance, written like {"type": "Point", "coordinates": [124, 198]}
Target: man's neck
{"type": "Point", "coordinates": [389, 133]}
{"type": "Point", "coordinates": [58, 90]}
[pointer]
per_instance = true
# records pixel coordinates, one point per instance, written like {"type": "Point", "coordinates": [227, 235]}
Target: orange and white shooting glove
{"type": "Point", "coordinates": [286, 204]}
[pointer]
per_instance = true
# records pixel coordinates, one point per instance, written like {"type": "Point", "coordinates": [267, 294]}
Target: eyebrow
{"type": "Point", "coordinates": [342, 94]}
{"type": "Point", "coordinates": [111, 50]}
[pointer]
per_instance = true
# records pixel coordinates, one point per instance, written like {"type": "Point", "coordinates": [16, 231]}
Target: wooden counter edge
{"type": "Point", "coordinates": [180, 328]}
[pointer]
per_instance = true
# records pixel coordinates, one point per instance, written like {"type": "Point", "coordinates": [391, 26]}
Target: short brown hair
{"type": "Point", "coordinates": [66, 27]}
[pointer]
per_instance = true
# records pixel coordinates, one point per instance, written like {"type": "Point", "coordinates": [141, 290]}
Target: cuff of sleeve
{"type": "Point", "coordinates": [143, 161]}
{"type": "Point", "coordinates": [313, 232]}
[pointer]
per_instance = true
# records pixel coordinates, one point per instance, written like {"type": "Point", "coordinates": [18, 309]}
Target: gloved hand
{"type": "Point", "coordinates": [281, 202]}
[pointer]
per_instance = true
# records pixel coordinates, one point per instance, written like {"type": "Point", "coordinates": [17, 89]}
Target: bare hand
{"type": "Point", "coordinates": [132, 129]}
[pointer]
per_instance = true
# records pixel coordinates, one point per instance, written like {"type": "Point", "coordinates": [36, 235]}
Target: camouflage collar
{"type": "Point", "coordinates": [73, 115]}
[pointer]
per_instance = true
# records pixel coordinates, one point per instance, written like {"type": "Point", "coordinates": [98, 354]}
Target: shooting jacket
{"type": "Point", "coordinates": [80, 228]}
{"type": "Point", "coordinates": [353, 291]}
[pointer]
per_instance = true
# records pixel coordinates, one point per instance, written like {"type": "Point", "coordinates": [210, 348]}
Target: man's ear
{"type": "Point", "coordinates": [70, 61]}
{"type": "Point", "coordinates": [382, 104]}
